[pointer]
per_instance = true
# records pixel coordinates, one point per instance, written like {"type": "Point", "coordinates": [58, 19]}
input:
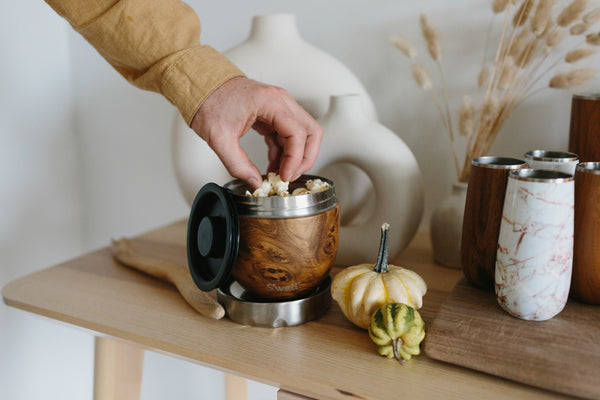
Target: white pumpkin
{"type": "Point", "coordinates": [360, 290]}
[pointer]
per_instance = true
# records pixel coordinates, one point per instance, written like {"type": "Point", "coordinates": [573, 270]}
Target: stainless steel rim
{"type": "Point", "coordinates": [274, 314]}
{"type": "Point", "coordinates": [498, 162]}
{"type": "Point", "coordinates": [551, 156]}
{"type": "Point", "coordinates": [283, 207]}
{"type": "Point", "coordinates": [540, 175]}
{"type": "Point", "coordinates": [589, 168]}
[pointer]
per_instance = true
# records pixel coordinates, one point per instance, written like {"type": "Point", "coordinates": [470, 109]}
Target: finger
{"type": "Point", "coordinates": [311, 151]}
{"type": "Point", "coordinates": [292, 154]}
{"type": "Point", "coordinates": [236, 161]}
{"type": "Point", "coordinates": [273, 153]}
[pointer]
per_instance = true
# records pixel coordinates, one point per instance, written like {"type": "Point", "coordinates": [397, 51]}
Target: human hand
{"type": "Point", "coordinates": [292, 136]}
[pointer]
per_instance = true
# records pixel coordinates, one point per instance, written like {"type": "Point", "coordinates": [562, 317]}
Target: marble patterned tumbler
{"type": "Point", "coordinates": [535, 245]}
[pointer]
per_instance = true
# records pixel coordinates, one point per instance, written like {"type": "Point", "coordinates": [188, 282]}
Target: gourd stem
{"type": "Point", "coordinates": [395, 345]}
{"type": "Point", "coordinates": [382, 258]}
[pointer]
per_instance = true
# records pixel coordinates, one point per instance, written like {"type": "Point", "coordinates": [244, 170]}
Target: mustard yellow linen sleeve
{"type": "Point", "coordinates": [154, 44]}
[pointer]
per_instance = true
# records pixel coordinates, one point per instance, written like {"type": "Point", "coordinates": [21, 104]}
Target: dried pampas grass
{"type": "Point", "coordinates": [573, 78]}
{"type": "Point", "coordinates": [527, 54]}
{"type": "Point", "coordinates": [592, 17]}
{"type": "Point", "coordinates": [499, 5]}
{"type": "Point", "coordinates": [554, 38]}
{"type": "Point", "coordinates": [532, 31]}
{"type": "Point", "coordinates": [483, 77]}
{"type": "Point", "coordinates": [578, 29]}
{"type": "Point", "coordinates": [578, 54]}
{"type": "Point", "coordinates": [466, 118]}
{"type": "Point", "coordinates": [507, 73]}
{"type": "Point", "coordinates": [432, 38]}
{"type": "Point", "coordinates": [542, 17]}
{"type": "Point", "coordinates": [593, 39]}
{"type": "Point", "coordinates": [422, 77]}
{"type": "Point", "coordinates": [571, 12]}
{"type": "Point", "coordinates": [522, 14]}
{"type": "Point", "coordinates": [404, 45]}
{"type": "Point", "coordinates": [518, 44]}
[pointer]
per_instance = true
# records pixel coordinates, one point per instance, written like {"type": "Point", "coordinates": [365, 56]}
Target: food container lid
{"type": "Point", "coordinates": [213, 237]}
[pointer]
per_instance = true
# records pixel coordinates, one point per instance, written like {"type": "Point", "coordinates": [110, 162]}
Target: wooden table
{"type": "Point", "coordinates": [327, 359]}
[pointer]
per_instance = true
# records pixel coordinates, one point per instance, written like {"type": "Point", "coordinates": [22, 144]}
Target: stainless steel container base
{"type": "Point", "coordinates": [246, 309]}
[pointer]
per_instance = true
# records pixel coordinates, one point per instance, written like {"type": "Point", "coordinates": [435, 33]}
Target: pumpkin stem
{"type": "Point", "coordinates": [382, 258]}
{"type": "Point", "coordinates": [395, 345]}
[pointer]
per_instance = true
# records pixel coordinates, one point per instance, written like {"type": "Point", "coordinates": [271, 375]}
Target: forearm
{"type": "Point", "coordinates": [154, 44]}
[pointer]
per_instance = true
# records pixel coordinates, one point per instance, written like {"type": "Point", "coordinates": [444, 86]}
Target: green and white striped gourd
{"type": "Point", "coordinates": [397, 329]}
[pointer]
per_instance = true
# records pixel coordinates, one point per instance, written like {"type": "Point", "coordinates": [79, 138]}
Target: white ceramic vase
{"type": "Point", "coordinates": [392, 175]}
{"type": "Point", "coordinates": [446, 227]}
{"type": "Point", "coordinates": [276, 54]}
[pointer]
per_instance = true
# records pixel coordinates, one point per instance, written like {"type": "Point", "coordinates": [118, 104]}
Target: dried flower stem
{"type": "Point", "coordinates": [422, 78]}
{"type": "Point", "coordinates": [432, 40]}
{"type": "Point", "coordinates": [449, 119]}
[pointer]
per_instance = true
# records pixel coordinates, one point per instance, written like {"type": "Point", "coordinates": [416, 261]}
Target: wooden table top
{"type": "Point", "coordinates": [328, 358]}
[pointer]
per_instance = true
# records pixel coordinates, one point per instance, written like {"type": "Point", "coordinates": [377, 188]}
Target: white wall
{"type": "Point", "coordinates": [85, 156]}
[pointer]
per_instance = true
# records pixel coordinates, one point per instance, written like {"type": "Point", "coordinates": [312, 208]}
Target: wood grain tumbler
{"type": "Point", "coordinates": [483, 212]}
{"type": "Point", "coordinates": [585, 282]}
{"type": "Point", "coordinates": [275, 247]}
{"type": "Point", "coordinates": [584, 139]}
{"type": "Point", "coordinates": [287, 244]}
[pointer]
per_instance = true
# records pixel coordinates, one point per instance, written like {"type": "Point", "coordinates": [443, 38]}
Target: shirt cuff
{"type": "Point", "coordinates": [193, 77]}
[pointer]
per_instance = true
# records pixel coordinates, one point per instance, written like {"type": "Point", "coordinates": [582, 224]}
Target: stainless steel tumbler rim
{"type": "Point", "coordinates": [551, 156]}
{"type": "Point", "coordinates": [498, 162]}
{"type": "Point", "coordinates": [540, 175]}
{"type": "Point", "coordinates": [282, 207]}
{"type": "Point", "coordinates": [592, 167]}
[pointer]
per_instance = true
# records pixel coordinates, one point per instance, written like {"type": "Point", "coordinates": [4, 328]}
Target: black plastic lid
{"type": "Point", "coordinates": [213, 237]}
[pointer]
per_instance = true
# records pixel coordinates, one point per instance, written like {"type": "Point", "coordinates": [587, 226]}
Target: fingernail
{"type": "Point", "coordinates": [284, 177]}
{"type": "Point", "coordinates": [254, 183]}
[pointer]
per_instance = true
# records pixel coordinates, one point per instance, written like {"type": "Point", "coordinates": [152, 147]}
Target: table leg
{"type": "Point", "coordinates": [236, 388]}
{"type": "Point", "coordinates": [117, 370]}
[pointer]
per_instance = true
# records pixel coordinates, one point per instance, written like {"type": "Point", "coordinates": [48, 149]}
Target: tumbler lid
{"type": "Point", "coordinates": [213, 237]}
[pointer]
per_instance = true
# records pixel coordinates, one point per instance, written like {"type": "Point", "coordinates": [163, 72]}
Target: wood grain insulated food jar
{"type": "Point", "coordinates": [276, 247]}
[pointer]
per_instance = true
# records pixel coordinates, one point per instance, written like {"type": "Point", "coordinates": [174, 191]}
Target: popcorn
{"type": "Point", "coordinates": [300, 191]}
{"type": "Point", "coordinates": [274, 186]}
{"type": "Point", "coordinates": [278, 186]}
{"type": "Point", "coordinates": [316, 185]}
{"type": "Point", "coordinates": [264, 190]}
